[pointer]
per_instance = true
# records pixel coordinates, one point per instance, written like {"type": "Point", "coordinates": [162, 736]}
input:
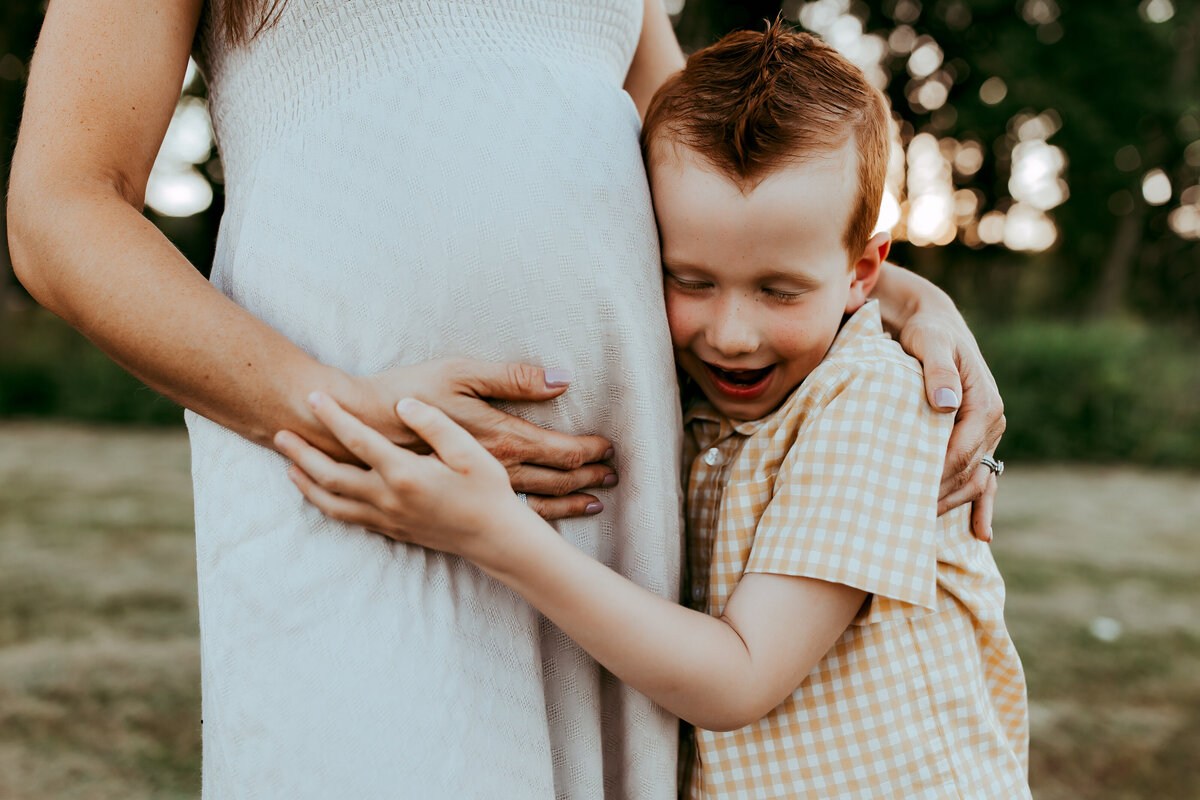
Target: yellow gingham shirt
{"type": "Point", "coordinates": [923, 696]}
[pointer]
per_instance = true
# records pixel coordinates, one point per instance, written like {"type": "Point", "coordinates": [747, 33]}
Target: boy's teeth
{"type": "Point", "coordinates": [743, 377]}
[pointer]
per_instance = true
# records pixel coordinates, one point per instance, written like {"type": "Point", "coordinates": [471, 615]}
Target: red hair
{"type": "Point", "coordinates": [754, 101]}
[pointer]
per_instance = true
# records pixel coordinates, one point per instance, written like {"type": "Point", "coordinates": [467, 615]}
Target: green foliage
{"type": "Point", "coordinates": [49, 370]}
{"type": "Point", "coordinates": [1103, 391]}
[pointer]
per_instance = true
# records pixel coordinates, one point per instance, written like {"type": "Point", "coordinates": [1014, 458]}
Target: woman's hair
{"type": "Point", "coordinates": [242, 20]}
{"type": "Point", "coordinates": [753, 102]}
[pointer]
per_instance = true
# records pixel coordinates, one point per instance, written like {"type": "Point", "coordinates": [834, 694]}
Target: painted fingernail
{"type": "Point", "coordinates": [407, 405]}
{"type": "Point", "coordinates": [989, 534]}
{"type": "Point", "coordinates": [609, 453]}
{"type": "Point", "coordinates": [283, 439]}
{"type": "Point", "coordinates": [610, 480]}
{"type": "Point", "coordinates": [946, 398]}
{"type": "Point", "coordinates": [314, 399]}
{"type": "Point", "coordinates": [557, 377]}
{"type": "Point", "coordinates": [594, 507]}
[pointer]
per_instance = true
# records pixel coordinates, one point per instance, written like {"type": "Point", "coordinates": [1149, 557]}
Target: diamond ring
{"type": "Point", "coordinates": [995, 466]}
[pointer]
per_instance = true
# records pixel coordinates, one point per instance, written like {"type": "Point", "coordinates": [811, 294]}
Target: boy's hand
{"type": "Point", "coordinates": [555, 469]}
{"type": "Point", "coordinates": [401, 494]}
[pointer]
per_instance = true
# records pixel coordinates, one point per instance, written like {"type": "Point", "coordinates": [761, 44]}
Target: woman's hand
{"type": "Point", "coordinates": [552, 468]}
{"type": "Point", "coordinates": [461, 486]}
{"type": "Point", "coordinates": [956, 379]}
{"type": "Point", "coordinates": [953, 364]}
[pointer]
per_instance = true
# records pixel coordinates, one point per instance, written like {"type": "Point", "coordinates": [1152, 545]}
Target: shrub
{"type": "Point", "coordinates": [1101, 391]}
{"type": "Point", "coordinates": [49, 370]}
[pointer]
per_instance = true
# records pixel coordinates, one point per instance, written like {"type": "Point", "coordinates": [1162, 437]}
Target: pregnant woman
{"type": "Point", "coordinates": [406, 181]}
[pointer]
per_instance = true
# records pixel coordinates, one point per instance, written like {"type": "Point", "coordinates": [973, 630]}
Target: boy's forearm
{"type": "Point", "coordinates": [691, 664]}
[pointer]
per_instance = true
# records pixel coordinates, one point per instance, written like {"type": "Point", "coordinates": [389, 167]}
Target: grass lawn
{"type": "Point", "coordinates": [99, 663]}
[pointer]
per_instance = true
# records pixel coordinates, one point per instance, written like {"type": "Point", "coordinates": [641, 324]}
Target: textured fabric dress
{"type": "Point", "coordinates": [407, 180]}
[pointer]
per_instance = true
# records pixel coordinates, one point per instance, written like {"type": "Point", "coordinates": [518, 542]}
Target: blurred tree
{"type": "Point", "coordinates": [19, 25]}
{"type": "Point", "coordinates": [1120, 79]}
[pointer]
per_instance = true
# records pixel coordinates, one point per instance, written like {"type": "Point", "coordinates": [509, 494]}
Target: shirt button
{"type": "Point", "coordinates": [712, 457]}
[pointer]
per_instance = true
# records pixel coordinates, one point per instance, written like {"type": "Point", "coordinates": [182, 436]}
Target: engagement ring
{"type": "Point", "coordinates": [994, 465]}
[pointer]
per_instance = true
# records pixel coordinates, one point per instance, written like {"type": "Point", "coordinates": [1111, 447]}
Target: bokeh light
{"type": "Point", "coordinates": [1029, 229]}
{"type": "Point", "coordinates": [176, 188]}
{"type": "Point", "coordinates": [1156, 10]}
{"type": "Point", "coordinates": [931, 193]}
{"type": "Point", "coordinates": [922, 203]}
{"type": "Point", "coordinates": [836, 22]}
{"type": "Point", "coordinates": [1156, 187]}
{"type": "Point", "coordinates": [993, 91]}
{"type": "Point", "coordinates": [178, 192]}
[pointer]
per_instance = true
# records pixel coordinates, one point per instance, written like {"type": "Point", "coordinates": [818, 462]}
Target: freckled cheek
{"type": "Point", "coordinates": [791, 339]}
{"type": "Point", "coordinates": [683, 317]}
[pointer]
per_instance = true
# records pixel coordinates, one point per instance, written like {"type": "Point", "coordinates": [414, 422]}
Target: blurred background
{"type": "Point", "coordinates": [1047, 176]}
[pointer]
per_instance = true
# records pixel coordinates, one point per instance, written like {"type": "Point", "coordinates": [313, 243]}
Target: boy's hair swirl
{"type": "Point", "coordinates": [754, 101]}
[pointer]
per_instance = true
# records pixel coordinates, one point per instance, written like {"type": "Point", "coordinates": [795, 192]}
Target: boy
{"type": "Point", "coordinates": [843, 640]}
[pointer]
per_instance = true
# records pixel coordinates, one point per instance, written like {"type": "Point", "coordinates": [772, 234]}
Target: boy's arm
{"type": "Point", "coordinates": [720, 674]}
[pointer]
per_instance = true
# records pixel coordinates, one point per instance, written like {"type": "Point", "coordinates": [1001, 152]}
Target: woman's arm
{"type": "Point", "coordinates": [657, 56]}
{"type": "Point", "coordinates": [956, 379]}
{"type": "Point", "coordinates": [103, 85]}
{"type": "Point", "coordinates": [720, 674]}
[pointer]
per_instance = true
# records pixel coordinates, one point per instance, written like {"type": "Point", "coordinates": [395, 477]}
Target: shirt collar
{"type": "Point", "coordinates": [701, 411]}
{"type": "Point", "coordinates": [864, 323]}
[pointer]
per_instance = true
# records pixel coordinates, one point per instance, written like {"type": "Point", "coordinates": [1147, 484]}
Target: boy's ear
{"type": "Point", "coordinates": [865, 271]}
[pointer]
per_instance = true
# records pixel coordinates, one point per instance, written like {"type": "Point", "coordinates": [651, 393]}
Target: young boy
{"type": "Point", "coordinates": [843, 639]}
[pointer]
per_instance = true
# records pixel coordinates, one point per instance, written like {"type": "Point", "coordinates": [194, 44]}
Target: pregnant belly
{"type": "Point", "coordinates": [453, 213]}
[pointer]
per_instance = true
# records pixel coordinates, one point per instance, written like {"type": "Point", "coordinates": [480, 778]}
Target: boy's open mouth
{"type": "Point", "coordinates": [742, 384]}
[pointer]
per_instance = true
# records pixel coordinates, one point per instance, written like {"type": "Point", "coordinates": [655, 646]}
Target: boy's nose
{"type": "Point", "coordinates": [732, 332]}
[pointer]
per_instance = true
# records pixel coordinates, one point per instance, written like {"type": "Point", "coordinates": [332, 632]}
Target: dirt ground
{"type": "Point", "coordinates": [99, 664]}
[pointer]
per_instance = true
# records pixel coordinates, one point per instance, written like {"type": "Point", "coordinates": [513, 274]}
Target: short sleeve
{"type": "Point", "coordinates": [855, 501]}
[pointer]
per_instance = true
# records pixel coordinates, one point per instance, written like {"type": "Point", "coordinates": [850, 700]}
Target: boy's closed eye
{"type": "Point", "coordinates": [688, 285]}
{"type": "Point", "coordinates": [785, 296]}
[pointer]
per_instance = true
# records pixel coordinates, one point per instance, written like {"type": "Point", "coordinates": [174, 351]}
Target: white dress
{"type": "Point", "coordinates": [407, 180]}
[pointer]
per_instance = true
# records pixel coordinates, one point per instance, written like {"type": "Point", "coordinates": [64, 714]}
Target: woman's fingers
{"type": "Point", "coordinates": [364, 442]}
{"type": "Point", "coordinates": [969, 492]}
{"type": "Point", "coordinates": [980, 490]}
{"type": "Point", "coordinates": [558, 483]}
{"type": "Point", "coordinates": [976, 433]}
{"type": "Point", "coordinates": [333, 475]}
{"type": "Point", "coordinates": [462, 388]}
{"type": "Point", "coordinates": [454, 446]}
{"type": "Point", "coordinates": [572, 505]}
{"type": "Point", "coordinates": [512, 440]}
{"type": "Point", "coordinates": [943, 384]}
{"type": "Point", "coordinates": [981, 512]}
{"type": "Point", "coordinates": [510, 381]}
{"type": "Point", "coordinates": [516, 440]}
